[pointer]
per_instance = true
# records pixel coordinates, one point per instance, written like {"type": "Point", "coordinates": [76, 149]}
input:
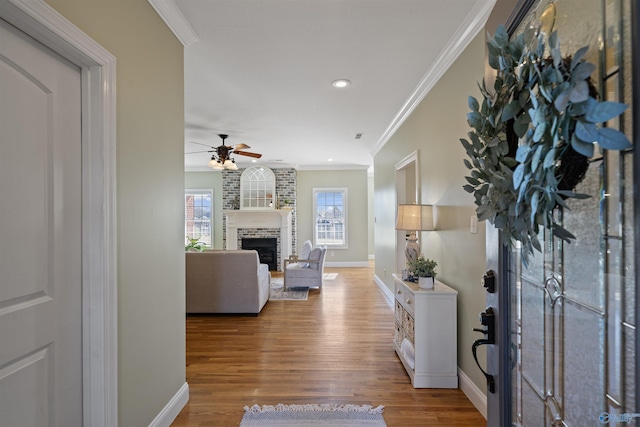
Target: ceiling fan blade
{"type": "Point", "coordinates": [197, 152]}
{"type": "Point", "coordinates": [199, 143]}
{"type": "Point", "coordinates": [248, 154]}
{"type": "Point", "coordinates": [241, 146]}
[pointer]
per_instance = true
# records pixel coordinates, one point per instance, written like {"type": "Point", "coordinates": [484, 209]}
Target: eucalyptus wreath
{"type": "Point", "coordinates": [540, 121]}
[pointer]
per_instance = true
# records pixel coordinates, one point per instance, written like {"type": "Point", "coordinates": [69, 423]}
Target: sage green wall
{"type": "Point", "coordinates": [150, 194]}
{"type": "Point", "coordinates": [357, 217]}
{"type": "Point", "coordinates": [209, 181]}
{"type": "Point", "coordinates": [435, 128]}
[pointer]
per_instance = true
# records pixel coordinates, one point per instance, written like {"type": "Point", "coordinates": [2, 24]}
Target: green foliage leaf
{"type": "Point", "coordinates": [581, 108]}
{"type": "Point", "coordinates": [518, 175]}
{"type": "Point", "coordinates": [604, 111]}
{"type": "Point", "coordinates": [521, 125]}
{"type": "Point", "coordinates": [472, 181]}
{"type": "Point", "coordinates": [582, 71]}
{"type": "Point", "coordinates": [562, 100]}
{"type": "Point", "coordinates": [572, 194]}
{"type": "Point", "coordinates": [577, 57]}
{"type": "Point", "coordinates": [612, 139]}
{"type": "Point", "coordinates": [522, 152]}
{"type": "Point", "coordinates": [473, 103]}
{"type": "Point", "coordinates": [535, 160]}
{"type": "Point", "coordinates": [579, 92]}
{"type": "Point", "coordinates": [587, 132]}
{"type": "Point", "coordinates": [540, 130]}
{"type": "Point", "coordinates": [584, 148]}
{"type": "Point", "coordinates": [510, 110]}
{"type": "Point", "coordinates": [549, 159]}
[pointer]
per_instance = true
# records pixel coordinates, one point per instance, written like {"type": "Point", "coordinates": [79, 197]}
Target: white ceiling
{"type": "Point", "coordinates": [261, 72]}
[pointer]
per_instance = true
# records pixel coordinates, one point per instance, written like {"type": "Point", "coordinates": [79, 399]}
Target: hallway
{"type": "Point", "coordinates": [334, 348]}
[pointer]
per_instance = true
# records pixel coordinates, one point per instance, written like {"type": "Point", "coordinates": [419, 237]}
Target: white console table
{"type": "Point", "coordinates": [427, 319]}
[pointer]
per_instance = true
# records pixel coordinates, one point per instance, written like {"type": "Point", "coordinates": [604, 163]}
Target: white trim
{"type": "Point", "coordinates": [386, 291]}
{"type": "Point", "coordinates": [199, 191]}
{"type": "Point", "coordinates": [340, 264]}
{"type": "Point", "coordinates": [332, 167]}
{"type": "Point", "coordinates": [345, 216]}
{"type": "Point", "coordinates": [473, 393]}
{"type": "Point", "coordinates": [175, 20]}
{"type": "Point", "coordinates": [414, 158]}
{"type": "Point", "coordinates": [466, 32]}
{"type": "Point", "coordinates": [372, 256]}
{"type": "Point", "coordinates": [99, 300]}
{"type": "Point", "coordinates": [172, 409]}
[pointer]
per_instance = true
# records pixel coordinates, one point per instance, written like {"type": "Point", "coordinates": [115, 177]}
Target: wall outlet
{"type": "Point", "coordinates": [332, 253]}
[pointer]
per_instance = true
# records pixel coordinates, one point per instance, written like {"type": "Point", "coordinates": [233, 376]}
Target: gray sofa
{"type": "Point", "coordinates": [226, 282]}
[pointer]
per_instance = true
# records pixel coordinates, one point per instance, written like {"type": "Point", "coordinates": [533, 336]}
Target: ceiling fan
{"type": "Point", "coordinates": [221, 157]}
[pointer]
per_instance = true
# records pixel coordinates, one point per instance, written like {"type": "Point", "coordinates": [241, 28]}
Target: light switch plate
{"type": "Point", "coordinates": [473, 228]}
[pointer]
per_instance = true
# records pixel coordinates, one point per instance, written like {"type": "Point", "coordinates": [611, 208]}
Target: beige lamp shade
{"type": "Point", "coordinates": [415, 217]}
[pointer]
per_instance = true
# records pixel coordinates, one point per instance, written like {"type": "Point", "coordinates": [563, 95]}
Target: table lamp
{"type": "Point", "coordinates": [414, 218]}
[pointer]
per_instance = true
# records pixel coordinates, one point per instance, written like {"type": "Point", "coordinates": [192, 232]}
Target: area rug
{"type": "Point", "coordinates": [277, 292]}
{"type": "Point", "coordinates": [312, 415]}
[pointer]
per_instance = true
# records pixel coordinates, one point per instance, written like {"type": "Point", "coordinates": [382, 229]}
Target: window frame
{"type": "Point", "coordinates": [345, 214]}
{"type": "Point", "coordinates": [257, 188]}
{"type": "Point", "coordinates": [200, 192]}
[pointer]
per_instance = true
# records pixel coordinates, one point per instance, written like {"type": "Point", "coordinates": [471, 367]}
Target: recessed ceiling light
{"type": "Point", "coordinates": [330, 160]}
{"type": "Point", "coordinates": [253, 160]}
{"type": "Point", "coordinates": [340, 83]}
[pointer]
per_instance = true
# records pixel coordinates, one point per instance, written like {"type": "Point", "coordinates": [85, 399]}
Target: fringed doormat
{"type": "Point", "coordinates": [312, 415]}
{"type": "Point", "coordinates": [277, 292]}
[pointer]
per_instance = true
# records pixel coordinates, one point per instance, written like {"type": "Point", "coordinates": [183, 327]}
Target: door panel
{"type": "Point", "coordinates": [571, 319]}
{"type": "Point", "coordinates": [40, 235]}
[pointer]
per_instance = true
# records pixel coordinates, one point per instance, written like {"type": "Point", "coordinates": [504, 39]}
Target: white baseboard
{"type": "Point", "coordinates": [385, 290]}
{"type": "Point", "coordinates": [473, 393]}
{"type": "Point", "coordinates": [172, 409]}
{"type": "Point", "coordinates": [347, 264]}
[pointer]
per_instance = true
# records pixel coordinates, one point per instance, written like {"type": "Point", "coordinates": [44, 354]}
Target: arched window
{"type": "Point", "coordinates": [257, 188]}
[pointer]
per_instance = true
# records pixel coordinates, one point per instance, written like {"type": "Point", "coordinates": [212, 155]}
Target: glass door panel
{"type": "Point", "coordinates": [573, 324]}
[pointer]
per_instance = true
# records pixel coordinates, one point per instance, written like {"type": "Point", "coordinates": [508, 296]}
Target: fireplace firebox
{"type": "Point", "coordinates": [267, 248]}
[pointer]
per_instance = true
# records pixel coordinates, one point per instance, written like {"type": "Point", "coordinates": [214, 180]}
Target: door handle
{"type": "Point", "coordinates": [487, 319]}
{"type": "Point", "coordinates": [491, 383]}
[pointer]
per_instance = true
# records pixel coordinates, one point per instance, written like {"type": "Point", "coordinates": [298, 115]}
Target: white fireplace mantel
{"type": "Point", "coordinates": [268, 218]}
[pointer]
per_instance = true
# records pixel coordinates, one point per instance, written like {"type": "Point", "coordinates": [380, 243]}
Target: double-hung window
{"type": "Point", "coordinates": [197, 215]}
{"type": "Point", "coordinates": [330, 217]}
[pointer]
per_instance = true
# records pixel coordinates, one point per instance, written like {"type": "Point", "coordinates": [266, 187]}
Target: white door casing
{"type": "Point", "coordinates": [98, 241]}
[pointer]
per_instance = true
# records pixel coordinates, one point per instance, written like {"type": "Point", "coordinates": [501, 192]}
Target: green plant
{"type": "Point", "coordinates": [195, 244]}
{"type": "Point", "coordinates": [539, 113]}
{"type": "Point", "coordinates": [421, 267]}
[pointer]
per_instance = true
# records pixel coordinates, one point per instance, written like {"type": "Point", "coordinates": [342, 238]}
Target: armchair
{"type": "Point", "coordinates": [305, 272]}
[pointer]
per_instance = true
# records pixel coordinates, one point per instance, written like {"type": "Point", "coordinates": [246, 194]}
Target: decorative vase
{"type": "Point", "coordinates": [425, 282]}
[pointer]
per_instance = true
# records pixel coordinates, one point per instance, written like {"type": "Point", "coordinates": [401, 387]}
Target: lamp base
{"type": "Point", "coordinates": [412, 250]}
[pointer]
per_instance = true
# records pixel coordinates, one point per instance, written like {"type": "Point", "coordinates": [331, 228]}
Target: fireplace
{"type": "Point", "coordinates": [267, 248]}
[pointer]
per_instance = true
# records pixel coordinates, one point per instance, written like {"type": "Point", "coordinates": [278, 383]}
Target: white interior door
{"type": "Point", "coordinates": [40, 235]}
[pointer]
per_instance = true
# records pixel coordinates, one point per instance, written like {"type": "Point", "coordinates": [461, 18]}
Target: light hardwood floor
{"type": "Point", "coordinates": [334, 348]}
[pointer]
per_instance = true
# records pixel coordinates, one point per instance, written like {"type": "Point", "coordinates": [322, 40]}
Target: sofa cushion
{"type": "Point", "coordinates": [304, 253]}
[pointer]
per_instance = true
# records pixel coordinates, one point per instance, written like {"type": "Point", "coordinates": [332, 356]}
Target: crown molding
{"type": "Point", "coordinates": [175, 20]}
{"type": "Point", "coordinates": [465, 33]}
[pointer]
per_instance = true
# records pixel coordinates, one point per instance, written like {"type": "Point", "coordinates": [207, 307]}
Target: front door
{"type": "Point", "coordinates": [569, 315]}
{"type": "Point", "coordinates": [40, 235]}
